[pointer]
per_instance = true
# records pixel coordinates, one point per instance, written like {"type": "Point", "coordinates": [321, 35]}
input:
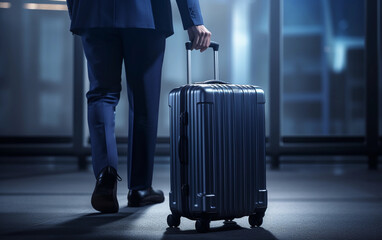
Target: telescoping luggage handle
{"type": "Point", "coordinates": [215, 47]}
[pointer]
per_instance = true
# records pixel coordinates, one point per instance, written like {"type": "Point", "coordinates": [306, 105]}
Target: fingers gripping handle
{"type": "Point", "coordinates": [215, 47]}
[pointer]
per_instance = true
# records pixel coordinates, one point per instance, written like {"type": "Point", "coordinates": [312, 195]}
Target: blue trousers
{"type": "Point", "coordinates": [142, 52]}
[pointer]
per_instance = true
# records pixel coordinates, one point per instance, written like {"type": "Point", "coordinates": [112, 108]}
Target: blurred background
{"type": "Point", "coordinates": [319, 62]}
{"type": "Point", "coordinates": [321, 104]}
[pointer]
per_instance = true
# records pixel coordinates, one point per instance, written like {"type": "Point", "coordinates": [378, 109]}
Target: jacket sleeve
{"type": "Point", "coordinates": [190, 13]}
{"type": "Point", "coordinates": [70, 6]}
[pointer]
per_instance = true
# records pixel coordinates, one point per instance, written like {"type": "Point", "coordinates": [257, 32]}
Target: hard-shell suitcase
{"type": "Point", "coordinates": [217, 139]}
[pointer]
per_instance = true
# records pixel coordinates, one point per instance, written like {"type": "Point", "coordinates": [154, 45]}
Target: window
{"type": "Point", "coordinates": [36, 71]}
{"type": "Point", "coordinates": [323, 83]}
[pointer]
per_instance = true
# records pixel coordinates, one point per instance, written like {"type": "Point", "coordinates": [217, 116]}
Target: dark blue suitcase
{"type": "Point", "coordinates": [217, 139]}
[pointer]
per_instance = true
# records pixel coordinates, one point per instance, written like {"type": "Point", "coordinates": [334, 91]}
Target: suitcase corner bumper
{"type": "Point", "coordinates": [262, 198]}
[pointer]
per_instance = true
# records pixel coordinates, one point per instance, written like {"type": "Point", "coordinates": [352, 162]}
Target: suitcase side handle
{"type": "Point", "coordinates": [213, 82]}
{"type": "Point", "coordinates": [215, 47]}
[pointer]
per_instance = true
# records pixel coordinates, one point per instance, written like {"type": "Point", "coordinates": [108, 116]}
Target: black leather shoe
{"type": "Point", "coordinates": [104, 198]}
{"type": "Point", "coordinates": [140, 198]}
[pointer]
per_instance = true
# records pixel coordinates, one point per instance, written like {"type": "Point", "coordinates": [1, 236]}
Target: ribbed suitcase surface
{"type": "Point", "coordinates": [217, 138]}
{"type": "Point", "coordinates": [224, 150]}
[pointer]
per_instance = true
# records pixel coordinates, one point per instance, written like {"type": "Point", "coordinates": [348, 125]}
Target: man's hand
{"type": "Point", "coordinates": [200, 37]}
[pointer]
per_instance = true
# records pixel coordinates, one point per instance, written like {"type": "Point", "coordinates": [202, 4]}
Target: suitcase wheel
{"type": "Point", "coordinates": [173, 221]}
{"type": "Point", "coordinates": [202, 225]}
{"type": "Point", "coordinates": [255, 220]}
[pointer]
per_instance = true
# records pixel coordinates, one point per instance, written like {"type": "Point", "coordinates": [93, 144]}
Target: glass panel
{"type": "Point", "coordinates": [380, 76]}
{"type": "Point", "coordinates": [36, 70]}
{"type": "Point", "coordinates": [323, 86]}
{"type": "Point", "coordinates": [380, 103]}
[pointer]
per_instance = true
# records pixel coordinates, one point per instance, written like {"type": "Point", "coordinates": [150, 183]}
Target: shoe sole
{"type": "Point", "coordinates": [146, 202]}
{"type": "Point", "coordinates": [104, 204]}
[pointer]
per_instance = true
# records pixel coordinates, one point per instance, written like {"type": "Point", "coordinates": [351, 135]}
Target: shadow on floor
{"type": "Point", "coordinates": [226, 231]}
{"type": "Point", "coordinates": [82, 227]}
{"type": "Point", "coordinates": [40, 173]}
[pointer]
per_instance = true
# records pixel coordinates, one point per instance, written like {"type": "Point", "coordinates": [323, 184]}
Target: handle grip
{"type": "Point", "coordinates": [213, 45]}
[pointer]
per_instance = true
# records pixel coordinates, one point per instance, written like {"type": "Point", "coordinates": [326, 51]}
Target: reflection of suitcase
{"type": "Point", "coordinates": [217, 139]}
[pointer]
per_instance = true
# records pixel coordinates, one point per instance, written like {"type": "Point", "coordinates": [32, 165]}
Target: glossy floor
{"type": "Point", "coordinates": [52, 201]}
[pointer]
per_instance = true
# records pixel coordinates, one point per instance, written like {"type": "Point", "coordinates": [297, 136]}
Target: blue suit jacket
{"type": "Point", "coordinates": [152, 14]}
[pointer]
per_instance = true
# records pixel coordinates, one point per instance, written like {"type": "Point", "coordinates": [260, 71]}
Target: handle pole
{"type": "Point", "coordinates": [188, 66]}
{"type": "Point", "coordinates": [215, 47]}
{"type": "Point", "coordinates": [216, 65]}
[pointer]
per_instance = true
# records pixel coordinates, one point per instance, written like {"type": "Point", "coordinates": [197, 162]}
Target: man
{"type": "Point", "coordinates": [133, 32]}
